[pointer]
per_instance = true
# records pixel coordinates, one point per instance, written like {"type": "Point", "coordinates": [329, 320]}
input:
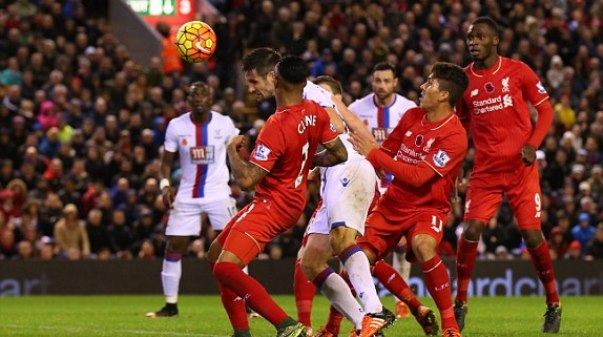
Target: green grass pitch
{"type": "Point", "coordinates": [203, 316]}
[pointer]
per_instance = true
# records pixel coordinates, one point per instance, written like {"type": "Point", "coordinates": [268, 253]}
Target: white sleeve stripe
{"type": "Point", "coordinates": [260, 166]}
{"type": "Point", "coordinates": [433, 168]}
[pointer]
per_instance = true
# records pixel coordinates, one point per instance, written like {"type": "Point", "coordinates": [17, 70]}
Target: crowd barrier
{"type": "Point", "coordinates": [89, 277]}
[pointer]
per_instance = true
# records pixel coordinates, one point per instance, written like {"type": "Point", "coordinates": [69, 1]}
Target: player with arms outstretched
{"type": "Point", "coordinates": [200, 138]}
{"type": "Point", "coordinates": [495, 110]}
{"type": "Point", "coordinates": [279, 164]}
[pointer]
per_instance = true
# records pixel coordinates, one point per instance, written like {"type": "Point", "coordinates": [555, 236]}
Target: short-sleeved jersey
{"type": "Point", "coordinates": [441, 146]}
{"type": "Point", "coordinates": [202, 151]}
{"type": "Point", "coordinates": [285, 148]}
{"type": "Point", "coordinates": [381, 120]}
{"type": "Point", "coordinates": [495, 105]}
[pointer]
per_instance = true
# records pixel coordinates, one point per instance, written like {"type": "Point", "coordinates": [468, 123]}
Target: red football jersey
{"type": "Point", "coordinates": [495, 105]}
{"type": "Point", "coordinates": [439, 146]}
{"type": "Point", "coordinates": [285, 148]}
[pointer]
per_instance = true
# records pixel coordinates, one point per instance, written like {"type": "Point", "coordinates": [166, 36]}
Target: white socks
{"type": "Point", "coordinates": [359, 271]}
{"type": "Point", "coordinates": [170, 279]}
{"type": "Point", "coordinates": [340, 296]}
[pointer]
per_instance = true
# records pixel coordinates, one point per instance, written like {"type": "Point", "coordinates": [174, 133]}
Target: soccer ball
{"type": "Point", "coordinates": [196, 41]}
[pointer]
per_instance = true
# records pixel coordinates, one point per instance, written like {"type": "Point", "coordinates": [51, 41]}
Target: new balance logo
{"type": "Point", "coordinates": [474, 92]}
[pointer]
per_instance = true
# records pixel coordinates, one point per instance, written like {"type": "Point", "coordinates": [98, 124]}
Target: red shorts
{"type": "Point", "coordinates": [250, 230]}
{"type": "Point", "coordinates": [384, 230]}
{"type": "Point", "coordinates": [522, 188]}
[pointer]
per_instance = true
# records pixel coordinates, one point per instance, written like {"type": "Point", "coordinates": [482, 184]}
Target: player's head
{"type": "Point", "coordinates": [258, 67]}
{"type": "Point", "coordinates": [291, 74]}
{"type": "Point", "coordinates": [329, 84]}
{"type": "Point", "coordinates": [385, 81]}
{"type": "Point", "coordinates": [483, 38]}
{"type": "Point", "coordinates": [445, 85]}
{"type": "Point", "coordinates": [200, 97]}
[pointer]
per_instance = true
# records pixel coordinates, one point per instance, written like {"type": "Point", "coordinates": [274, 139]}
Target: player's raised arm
{"type": "Point", "coordinates": [334, 153]}
{"type": "Point", "coordinates": [246, 174]}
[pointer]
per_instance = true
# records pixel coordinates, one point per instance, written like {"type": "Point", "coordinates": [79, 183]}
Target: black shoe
{"type": "Point", "coordinates": [427, 320]}
{"type": "Point", "coordinates": [552, 318]}
{"type": "Point", "coordinates": [389, 316]}
{"type": "Point", "coordinates": [460, 311]}
{"type": "Point", "coordinates": [169, 310]}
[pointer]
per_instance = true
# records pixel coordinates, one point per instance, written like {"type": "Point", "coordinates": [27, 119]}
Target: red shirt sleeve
{"type": "Point", "coordinates": [328, 132]}
{"type": "Point", "coordinates": [446, 153]}
{"type": "Point", "coordinates": [268, 146]}
{"type": "Point", "coordinates": [536, 94]}
{"type": "Point", "coordinates": [415, 175]}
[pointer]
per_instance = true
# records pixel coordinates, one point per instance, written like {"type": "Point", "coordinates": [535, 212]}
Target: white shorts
{"type": "Point", "coordinates": [185, 216]}
{"type": "Point", "coordinates": [348, 191]}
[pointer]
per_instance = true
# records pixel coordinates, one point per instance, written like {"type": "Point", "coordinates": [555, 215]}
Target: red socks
{"type": "Point", "coordinates": [304, 291]}
{"type": "Point", "coordinates": [465, 262]}
{"type": "Point", "coordinates": [250, 291]}
{"type": "Point", "coordinates": [541, 259]}
{"type": "Point", "coordinates": [391, 280]}
{"type": "Point", "coordinates": [438, 284]}
{"type": "Point", "coordinates": [334, 321]}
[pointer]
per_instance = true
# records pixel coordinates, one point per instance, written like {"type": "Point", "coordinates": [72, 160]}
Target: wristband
{"type": "Point", "coordinates": [164, 183]}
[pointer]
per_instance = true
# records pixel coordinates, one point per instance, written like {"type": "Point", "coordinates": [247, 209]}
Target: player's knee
{"type": "Point", "coordinates": [473, 229]}
{"type": "Point", "coordinates": [369, 255]}
{"type": "Point", "coordinates": [178, 244]}
{"type": "Point", "coordinates": [532, 238]}
{"type": "Point", "coordinates": [342, 238]}
{"type": "Point", "coordinates": [311, 265]}
{"type": "Point", "coordinates": [214, 251]}
{"type": "Point", "coordinates": [424, 247]}
{"type": "Point", "coordinates": [316, 254]}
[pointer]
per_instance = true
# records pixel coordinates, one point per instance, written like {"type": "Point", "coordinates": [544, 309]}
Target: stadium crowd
{"type": "Point", "coordinates": [82, 125]}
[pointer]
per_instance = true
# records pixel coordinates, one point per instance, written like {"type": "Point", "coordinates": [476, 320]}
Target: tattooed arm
{"type": "Point", "coordinates": [247, 175]}
{"type": "Point", "coordinates": [334, 154]}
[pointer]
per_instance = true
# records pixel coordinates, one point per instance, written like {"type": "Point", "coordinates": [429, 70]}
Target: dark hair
{"type": "Point", "coordinates": [293, 69]}
{"type": "Point", "coordinates": [488, 21]}
{"type": "Point", "coordinates": [382, 66]}
{"type": "Point", "coordinates": [262, 60]}
{"type": "Point", "coordinates": [331, 82]}
{"type": "Point", "coordinates": [451, 78]}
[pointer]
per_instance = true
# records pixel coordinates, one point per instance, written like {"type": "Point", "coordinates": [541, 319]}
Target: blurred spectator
{"type": "Point", "coordinates": [98, 234]}
{"type": "Point", "coordinates": [574, 251]}
{"type": "Point", "coordinates": [70, 235]}
{"type": "Point", "coordinates": [594, 248]}
{"type": "Point", "coordinates": [583, 232]}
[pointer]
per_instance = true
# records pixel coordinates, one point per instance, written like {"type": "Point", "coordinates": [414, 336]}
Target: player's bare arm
{"type": "Point", "coordinates": [167, 190]}
{"type": "Point", "coordinates": [363, 142]}
{"type": "Point", "coordinates": [351, 120]}
{"type": "Point", "coordinates": [334, 154]}
{"type": "Point", "coordinates": [246, 174]}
